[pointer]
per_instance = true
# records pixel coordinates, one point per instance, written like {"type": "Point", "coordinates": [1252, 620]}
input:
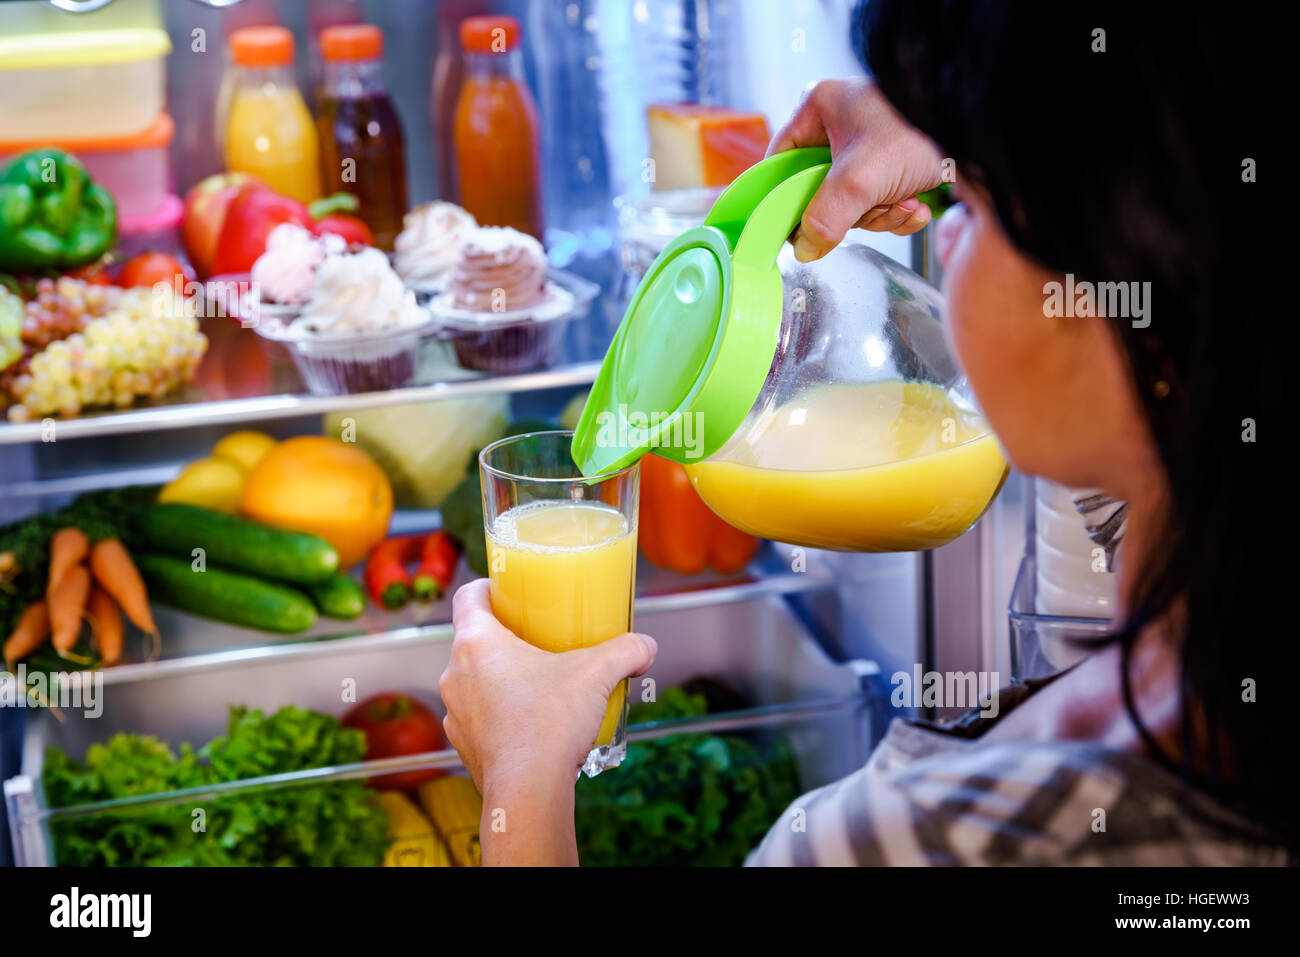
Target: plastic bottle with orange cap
{"type": "Point", "coordinates": [497, 157]}
{"type": "Point", "coordinates": [269, 131]}
{"type": "Point", "coordinates": [363, 150]}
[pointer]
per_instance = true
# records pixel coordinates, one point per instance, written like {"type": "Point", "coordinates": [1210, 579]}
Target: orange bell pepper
{"type": "Point", "coordinates": [677, 531]}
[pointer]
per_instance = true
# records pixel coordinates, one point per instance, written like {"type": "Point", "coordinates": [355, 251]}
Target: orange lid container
{"type": "Point", "coordinates": [352, 41]}
{"type": "Point", "coordinates": [489, 34]}
{"type": "Point", "coordinates": [157, 133]}
{"type": "Point", "coordinates": [261, 46]}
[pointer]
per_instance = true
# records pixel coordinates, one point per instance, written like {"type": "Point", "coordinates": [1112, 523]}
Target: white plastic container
{"type": "Point", "coordinates": [80, 75]}
{"type": "Point", "coordinates": [135, 168]}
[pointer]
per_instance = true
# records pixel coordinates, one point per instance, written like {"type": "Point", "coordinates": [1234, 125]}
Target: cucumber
{"type": "Point", "coordinates": [225, 595]}
{"type": "Point", "coordinates": [339, 596]}
{"type": "Point", "coordinates": [238, 543]}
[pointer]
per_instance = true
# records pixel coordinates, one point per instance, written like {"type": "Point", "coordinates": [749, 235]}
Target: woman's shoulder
{"type": "Point", "coordinates": [922, 799]}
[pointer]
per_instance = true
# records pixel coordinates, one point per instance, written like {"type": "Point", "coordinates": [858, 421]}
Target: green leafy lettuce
{"type": "Point", "coordinates": [686, 799]}
{"type": "Point", "coordinates": [335, 823]}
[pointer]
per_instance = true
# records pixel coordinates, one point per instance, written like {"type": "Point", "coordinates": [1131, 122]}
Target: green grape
{"type": "Point", "coordinates": [11, 328]}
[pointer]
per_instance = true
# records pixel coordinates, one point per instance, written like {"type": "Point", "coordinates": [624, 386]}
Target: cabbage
{"type": "Point", "coordinates": [424, 448]}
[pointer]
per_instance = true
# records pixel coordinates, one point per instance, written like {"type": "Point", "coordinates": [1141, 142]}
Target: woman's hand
{"type": "Point", "coordinates": [523, 721]}
{"type": "Point", "coordinates": [878, 165]}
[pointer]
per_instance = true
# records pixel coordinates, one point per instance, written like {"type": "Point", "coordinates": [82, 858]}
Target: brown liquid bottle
{"type": "Point", "coordinates": [363, 151]}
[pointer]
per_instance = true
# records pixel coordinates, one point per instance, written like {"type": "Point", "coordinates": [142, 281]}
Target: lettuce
{"type": "Point", "coordinates": [336, 823]}
{"type": "Point", "coordinates": [687, 799]}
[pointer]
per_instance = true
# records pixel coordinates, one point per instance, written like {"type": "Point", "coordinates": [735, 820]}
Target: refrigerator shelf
{"type": "Point", "coordinates": [196, 645]}
{"type": "Point", "coordinates": [1042, 644]}
{"type": "Point", "coordinates": [825, 711]}
{"type": "Point", "coordinates": [245, 378]}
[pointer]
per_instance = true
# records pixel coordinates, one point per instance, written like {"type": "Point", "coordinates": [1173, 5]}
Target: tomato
{"type": "Point", "coordinates": [395, 725]}
{"type": "Point", "coordinates": [149, 269]}
{"type": "Point", "coordinates": [96, 273]}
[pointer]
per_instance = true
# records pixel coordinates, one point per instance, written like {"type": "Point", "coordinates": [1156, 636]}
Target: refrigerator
{"type": "Point", "coordinates": [793, 663]}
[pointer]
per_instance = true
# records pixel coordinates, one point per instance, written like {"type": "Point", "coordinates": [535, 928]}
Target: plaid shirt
{"type": "Point", "coordinates": [930, 797]}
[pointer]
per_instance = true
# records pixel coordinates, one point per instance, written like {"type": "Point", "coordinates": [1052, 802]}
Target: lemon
{"type": "Point", "coordinates": [209, 483]}
{"type": "Point", "coordinates": [244, 448]}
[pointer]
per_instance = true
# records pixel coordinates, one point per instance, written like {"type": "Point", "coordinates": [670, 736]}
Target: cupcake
{"type": "Point", "coordinates": [285, 273]}
{"type": "Point", "coordinates": [498, 303]}
{"type": "Point", "coordinates": [429, 245]}
{"type": "Point", "coordinates": [359, 329]}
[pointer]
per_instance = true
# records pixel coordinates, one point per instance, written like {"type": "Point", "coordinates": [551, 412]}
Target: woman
{"type": "Point", "coordinates": [1112, 152]}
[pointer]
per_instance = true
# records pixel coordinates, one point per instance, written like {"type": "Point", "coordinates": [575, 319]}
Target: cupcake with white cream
{"type": "Point", "coordinates": [284, 274]}
{"type": "Point", "coordinates": [430, 243]}
{"type": "Point", "coordinates": [360, 328]}
{"type": "Point", "coordinates": [500, 304]}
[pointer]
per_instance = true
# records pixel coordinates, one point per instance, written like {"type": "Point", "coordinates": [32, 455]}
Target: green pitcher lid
{"type": "Point", "coordinates": [699, 336]}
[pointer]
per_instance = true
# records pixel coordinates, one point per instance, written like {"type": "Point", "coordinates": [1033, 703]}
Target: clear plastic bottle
{"type": "Point", "coordinates": [269, 131]}
{"type": "Point", "coordinates": [497, 158]}
{"type": "Point", "coordinates": [580, 218]}
{"type": "Point", "coordinates": [357, 122]}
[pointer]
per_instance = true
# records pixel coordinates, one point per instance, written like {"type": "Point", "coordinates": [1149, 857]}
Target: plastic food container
{"type": "Point", "coordinates": [80, 75]}
{"type": "Point", "coordinates": [135, 168]}
{"type": "Point", "coordinates": [157, 232]}
{"type": "Point", "coordinates": [815, 404]}
{"type": "Point", "coordinates": [521, 340]}
{"type": "Point", "coordinates": [337, 365]}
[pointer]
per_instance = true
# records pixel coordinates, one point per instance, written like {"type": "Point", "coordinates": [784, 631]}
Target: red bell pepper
{"type": "Point", "coordinates": [387, 580]}
{"type": "Point", "coordinates": [333, 215]}
{"type": "Point", "coordinates": [438, 558]}
{"type": "Point", "coordinates": [350, 228]}
{"type": "Point", "coordinates": [253, 213]}
{"type": "Point", "coordinates": [677, 531]}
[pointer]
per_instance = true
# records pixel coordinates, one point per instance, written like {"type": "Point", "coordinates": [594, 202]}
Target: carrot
{"type": "Point", "coordinates": [29, 634]}
{"type": "Point", "coordinates": [68, 547]}
{"type": "Point", "coordinates": [67, 603]}
{"type": "Point", "coordinates": [118, 576]}
{"type": "Point", "coordinates": [105, 624]}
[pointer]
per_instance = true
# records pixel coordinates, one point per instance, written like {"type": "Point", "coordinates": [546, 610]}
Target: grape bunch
{"type": "Point", "coordinates": [62, 307]}
{"type": "Point", "coordinates": [11, 325]}
{"type": "Point", "coordinates": [146, 345]}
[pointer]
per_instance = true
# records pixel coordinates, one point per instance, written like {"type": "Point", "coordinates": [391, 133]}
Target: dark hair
{"type": "Point", "coordinates": [1127, 165]}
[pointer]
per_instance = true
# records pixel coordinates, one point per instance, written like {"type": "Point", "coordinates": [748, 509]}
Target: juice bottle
{"type": "Point", "coordinates": [362, 147]}
{"type": "Point", "coordinates": [269, 131]}
{"type": "Point", "coordinates": [563, 576]}
{"type": "Point", "coordinates": [496, 129]}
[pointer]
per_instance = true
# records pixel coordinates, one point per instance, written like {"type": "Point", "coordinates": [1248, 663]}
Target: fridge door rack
{"type": "Point", "coordinates": [1044, 644]}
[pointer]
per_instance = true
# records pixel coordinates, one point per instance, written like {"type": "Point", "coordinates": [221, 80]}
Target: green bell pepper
{"type": "Point", "coordinates": [52, 216]}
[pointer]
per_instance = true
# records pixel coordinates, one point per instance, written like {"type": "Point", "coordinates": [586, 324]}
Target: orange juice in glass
{"type": "Point", "coordinates": [562, 557]}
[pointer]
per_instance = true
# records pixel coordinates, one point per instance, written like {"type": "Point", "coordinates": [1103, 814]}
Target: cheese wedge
{"type": "Point", "coordinates": [694, 145]}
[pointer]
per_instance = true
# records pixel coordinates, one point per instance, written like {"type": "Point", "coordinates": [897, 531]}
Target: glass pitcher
{"type": "Point", "coordinates": [816, 404]}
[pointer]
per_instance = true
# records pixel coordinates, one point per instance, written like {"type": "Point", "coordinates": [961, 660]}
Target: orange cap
{"type": "Point", "coordinates": [262, 46]}
{"type": "Point", "coordinates": [489, 34]}
{"type": "Point", "coordinates": [352, 41]}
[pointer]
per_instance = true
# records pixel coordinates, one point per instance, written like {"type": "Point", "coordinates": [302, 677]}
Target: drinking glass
{"type": "Point", "coordinates": [562, 557]}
